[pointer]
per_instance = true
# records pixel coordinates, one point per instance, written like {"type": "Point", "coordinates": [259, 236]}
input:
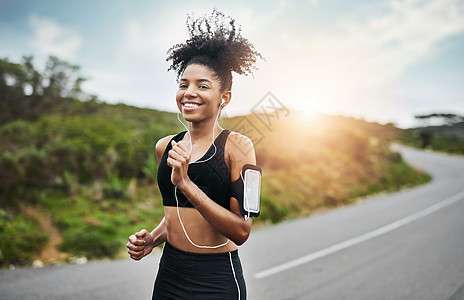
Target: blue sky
{"type": "Point", "coordinates": [380, 60]}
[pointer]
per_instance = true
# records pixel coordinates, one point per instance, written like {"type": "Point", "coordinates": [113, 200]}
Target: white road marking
{"type": "Point", "coordinates": [362, 238]}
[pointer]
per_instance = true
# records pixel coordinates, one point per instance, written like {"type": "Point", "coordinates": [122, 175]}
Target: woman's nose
{"type": "Point", "coordinates": [190, 93]}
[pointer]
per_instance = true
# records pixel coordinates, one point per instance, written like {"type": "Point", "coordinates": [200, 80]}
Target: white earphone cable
{"type": "Point", "coordinates": [185, 231]}
{"type": "Point", "coordinates": [177, 202]}
{"type": "Point", "coordinates": [175, 188]}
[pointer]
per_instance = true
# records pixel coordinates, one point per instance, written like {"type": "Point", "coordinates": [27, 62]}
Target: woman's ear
{"type": "Point", "coordinates": [226, 96]}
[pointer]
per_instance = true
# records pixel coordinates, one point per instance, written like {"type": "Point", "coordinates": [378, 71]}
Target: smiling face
{"type": "Point", "coordinates": [199, 94]}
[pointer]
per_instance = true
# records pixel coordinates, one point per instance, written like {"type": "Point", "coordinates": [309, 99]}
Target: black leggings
{"type": "Point", "coordinates": [186, 275]}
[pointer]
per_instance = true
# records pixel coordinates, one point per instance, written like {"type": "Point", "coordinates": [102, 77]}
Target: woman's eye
{"type": "Point", "coordinates": [182, 86]}
{"type": "Point", "coordinates": [203, 86]}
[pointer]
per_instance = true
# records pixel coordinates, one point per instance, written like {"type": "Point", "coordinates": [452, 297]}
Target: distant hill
{"type": "Point", "coordinates": [446, 138]}
{"type": "Point", "coordinates": [453, 129]}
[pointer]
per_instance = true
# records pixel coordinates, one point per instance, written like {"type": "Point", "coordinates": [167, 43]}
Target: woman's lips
{"type": "Point", "coordinates": [190, 106]}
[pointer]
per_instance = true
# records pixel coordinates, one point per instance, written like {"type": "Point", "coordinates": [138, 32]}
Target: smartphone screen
{"type": "Point", "coordinates": [252, 189]}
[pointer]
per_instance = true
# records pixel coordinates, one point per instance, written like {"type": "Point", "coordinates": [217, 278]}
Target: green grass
{"type": "Point", "coordinates": [20, 239]}
{"type": "Point", "coordinates": [99, 227]}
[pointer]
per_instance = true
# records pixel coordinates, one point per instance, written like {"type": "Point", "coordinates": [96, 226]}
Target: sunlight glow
{"type": "Point", "coordinates": [305, 117]}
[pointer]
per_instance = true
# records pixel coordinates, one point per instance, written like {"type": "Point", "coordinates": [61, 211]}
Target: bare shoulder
{"type": "Point", "coordinates": [161, 146]}
{"type": "Point", "coordinates": [240, 141]}
{"type": "Point", "coordinates": [240, 151]}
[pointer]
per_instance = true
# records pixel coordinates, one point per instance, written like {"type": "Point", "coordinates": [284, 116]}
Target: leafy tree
{"type": "Point", "coordinates": [12, 80]}
{"type": "Point", "coordinates": [444, 118]}
{"type": "Point", "coordinates": [62, 78]}
{"type": "Point", "coordinates": [33, 77]}
{"type": "Point", "coordinates": [26, 93]}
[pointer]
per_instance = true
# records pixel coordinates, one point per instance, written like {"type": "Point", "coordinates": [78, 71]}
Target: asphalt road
{"type": "Point", "coordinates": [406, 245]}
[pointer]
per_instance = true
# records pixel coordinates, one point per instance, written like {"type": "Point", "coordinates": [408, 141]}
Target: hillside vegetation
{"type": "Point", "coordinates": [326, 162]}
{"type": "Point", "coordinates": [445, 136]}
{"type": "Point", "coordinates": [78, 176]}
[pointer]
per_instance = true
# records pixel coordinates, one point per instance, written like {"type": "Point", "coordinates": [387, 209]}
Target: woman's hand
{"type": "Point", "coordinates": [178, 159]}
{"type": "Point", "coordinates": [140, 244]}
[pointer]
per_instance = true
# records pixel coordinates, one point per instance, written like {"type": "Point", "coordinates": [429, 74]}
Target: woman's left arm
{"type": "Point", "coordinates": [231, 223]}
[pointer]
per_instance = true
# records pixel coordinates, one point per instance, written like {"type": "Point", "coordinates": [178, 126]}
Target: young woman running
{"type": "Point", "coordinates": [203, 223]}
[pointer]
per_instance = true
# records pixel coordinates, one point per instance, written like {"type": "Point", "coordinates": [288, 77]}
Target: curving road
{"type": "Point", "coordinates": [406, 245]}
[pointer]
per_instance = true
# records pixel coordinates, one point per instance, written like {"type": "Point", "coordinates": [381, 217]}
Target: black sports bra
{"type": "Point", "coordinates": [211, 176]}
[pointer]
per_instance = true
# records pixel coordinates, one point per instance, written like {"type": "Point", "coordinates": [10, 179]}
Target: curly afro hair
{"type": "Point", "coordinates": [215, 42]}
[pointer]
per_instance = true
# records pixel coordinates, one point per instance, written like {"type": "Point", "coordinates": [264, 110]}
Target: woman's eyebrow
{"type": "Point", "coordinates": [203, 80]}
{"type": "Point", "coordinates": [198, 80]}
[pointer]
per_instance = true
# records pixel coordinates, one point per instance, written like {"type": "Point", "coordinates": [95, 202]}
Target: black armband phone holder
{"type": "Point", "coordinates": [246, 189]}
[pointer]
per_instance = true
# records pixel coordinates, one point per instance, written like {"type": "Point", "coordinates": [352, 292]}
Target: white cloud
{"type": "Point", "coordinates": [138, 71]}
{"type": "Point", "coordinates": [378, 49]}
{"type": "Point", "coordinates": [349, 66]}
{"type": "Point", "coordinates": [51, 38]}
{"type": "Point", "coordinates": [142, 38]}
{"type": "Point", "coordinates": [341, 63]}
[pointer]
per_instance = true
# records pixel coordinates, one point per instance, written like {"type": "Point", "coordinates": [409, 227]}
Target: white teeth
{"type": "Point", "coordinates": [191, 105]}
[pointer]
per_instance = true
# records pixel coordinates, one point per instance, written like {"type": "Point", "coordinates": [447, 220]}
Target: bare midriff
{"type": "Point", "coordinates": [197, 228]}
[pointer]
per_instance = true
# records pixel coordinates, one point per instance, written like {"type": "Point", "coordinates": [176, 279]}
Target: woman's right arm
{"type": "Point", "coordinates": [142, 243]}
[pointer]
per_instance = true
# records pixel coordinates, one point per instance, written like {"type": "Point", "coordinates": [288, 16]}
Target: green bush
{"type": "Point", "coordinates": [12, 174]}
{"type": "Point", "coordinates": [20, 239]}
{"type": "Point", "coordinates": [271, 210]}
{"type": "Point", "coordinates": [91, 240]}
{"type": "Point", "coordinates": [17, 135]}
{"type": "Point", "coordinates": [36, 164]}
{"type": "Point", "coordinates": [115, 188]}
{"type": "Point", "coordinates": [400, 174]}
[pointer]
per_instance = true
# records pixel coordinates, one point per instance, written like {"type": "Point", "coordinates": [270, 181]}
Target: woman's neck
{"type": "Point", "coordinates": [203, 131]}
